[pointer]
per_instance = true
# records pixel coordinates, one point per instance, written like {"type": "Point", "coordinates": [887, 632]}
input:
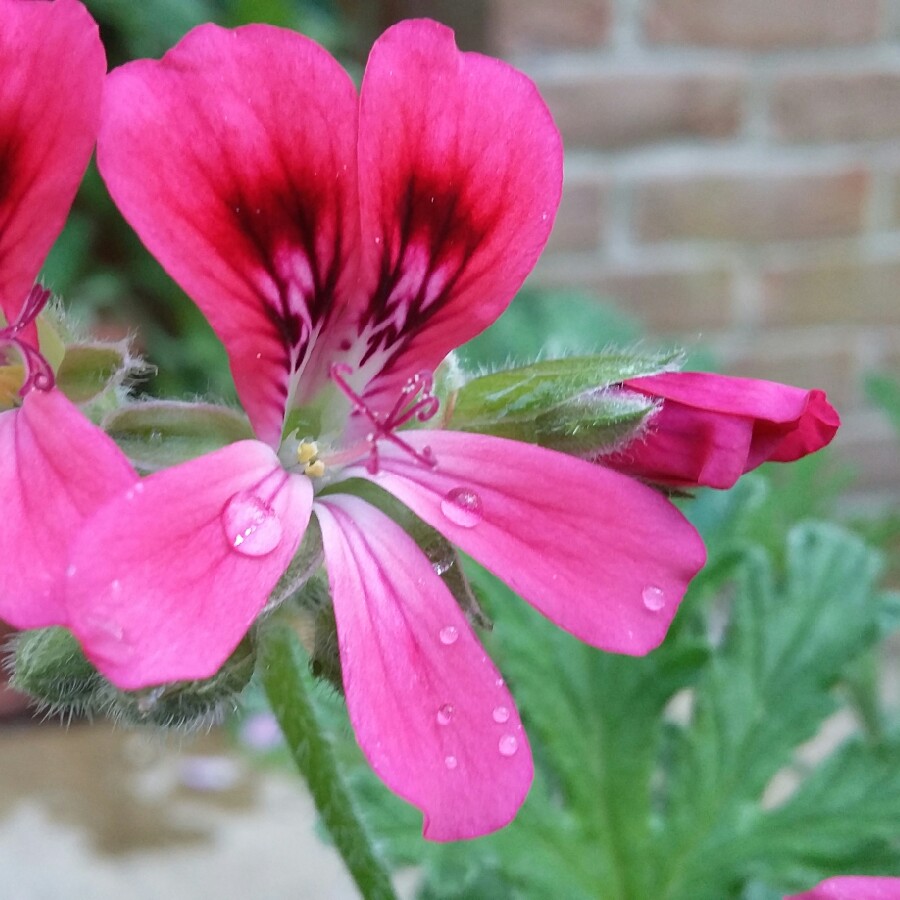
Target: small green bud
{"type": "Point", "coordinates": [87, 370]}
{"type": "Point", "coordinates": [49, 665]}
{"type": "Point", "coordinates": [162, 433]}
{"type": "Point", "coordinates": [573, 405]}
{"type": "Point", "coordinates": [187, 704]}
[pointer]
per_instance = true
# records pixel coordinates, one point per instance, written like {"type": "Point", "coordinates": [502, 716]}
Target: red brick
{"type": "Point", "coordinates": [610, 111]}
{"type": "Point", "coordinates": [666, 300]}
{"type": "Point", "coordinates": [752, 207]}
{"type": "Point", "coordinates": [839, 292]}
{"type": "Point", "coordinates": [763, 24]}
{"type": "Point", "coordinates": [523, 25]}
{"type": "Point", "coordinates": [837, 106]}
{"type": "Point", "coordinates": [580, 221]}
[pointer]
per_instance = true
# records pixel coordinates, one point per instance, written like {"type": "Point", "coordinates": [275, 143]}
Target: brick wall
{"type": "Point", "coordinates": [732, 178]}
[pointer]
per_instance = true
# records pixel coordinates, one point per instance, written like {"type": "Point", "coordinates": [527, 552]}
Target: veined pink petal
{"type": "Point", "coordinates": [460, 177]}
{"type": "Point", "coordinates": [602, 556]}
{"type": "Point", "coordinates": [234, 159]}
{"type": "Point", "coordinates": [56, 469]}
{"type": "Point", "coordinates": [712, 428]}
{"type": "Point", "coordinates": [166, 578]}
{"type": "Point", "coordinates": [852, 887]}
{"type": "Point", "coordinates": [429, 709]}
{"type": "Point", "coordinates": [51, 66]}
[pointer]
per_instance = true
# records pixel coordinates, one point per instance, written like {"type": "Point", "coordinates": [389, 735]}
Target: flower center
{"type": "Point", "coordinates": [38, 374]}
{"type": "Point", "coordinates": [416, 401]}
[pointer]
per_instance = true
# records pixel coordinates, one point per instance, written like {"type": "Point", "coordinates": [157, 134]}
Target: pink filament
{"type": "Point", "coordinates": [38, 373]}
{"type": "Point", "coordinates": [416, 400]}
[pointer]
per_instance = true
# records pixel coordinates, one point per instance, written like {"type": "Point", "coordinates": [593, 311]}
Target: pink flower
{"type": "Point", "coordinates": [340, 246]}
{"type": "Point", "coordinates": [711, 429]}
{"type": "Point", "coordinates": [55, 467]}
{"type": "Point", "coordinates": [852, 887]}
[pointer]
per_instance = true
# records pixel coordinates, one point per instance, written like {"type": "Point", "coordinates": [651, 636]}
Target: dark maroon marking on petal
{"type": "Point", "coordinates": [273, 216]}
{"type": "Point", "coordinates": [434, 215]}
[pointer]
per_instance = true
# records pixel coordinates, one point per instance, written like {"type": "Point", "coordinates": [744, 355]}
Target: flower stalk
{"type": "Point", "coordinates": [283, 675]}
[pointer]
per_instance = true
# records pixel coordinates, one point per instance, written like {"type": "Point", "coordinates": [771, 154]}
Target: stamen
{"type": "Point", "coordinates": [307, 456]}
{"type": "Point", "coordinates": [416, 400]}
{"type": "Point", "coordinates": [38, 373]}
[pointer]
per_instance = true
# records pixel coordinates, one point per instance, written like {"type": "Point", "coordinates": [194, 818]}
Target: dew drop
{"type": "Point", "coordinates": [449, 634]}
{"type": "Point", "coordinates": [508, 745]}
{"type": "Point", "coordinates": [499, 682]}
{"type": "Point", "coordinates": [450, 762]}
{"type": "Point", "coordinates": [445, 714]}
{"type": "Point", "coordinates": [70, 571]}
{"type": "Point", "coordinates": [654, 598]}
{"type": "Point", "coordinates": [251, 525]}
{"type": "Point", "coordinates": [501, 715]}
{"type": "Point", "coordinates": [463, 507]}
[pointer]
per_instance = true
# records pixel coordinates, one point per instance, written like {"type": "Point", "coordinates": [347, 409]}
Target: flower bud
{"type": "Point", "coordinates": [48, 664]}
{"type": "Point", "coordinates": [573, 405]}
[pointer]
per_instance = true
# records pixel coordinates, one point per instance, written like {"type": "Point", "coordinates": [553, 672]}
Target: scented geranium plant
{"type": "Point", "coordinates": [341, 244]}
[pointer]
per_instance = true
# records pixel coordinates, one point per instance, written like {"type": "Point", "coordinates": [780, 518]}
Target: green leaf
{"type": "Point", "coordinates": [161, 433]}
{"type": "Point", "coordinates": [765, 692]}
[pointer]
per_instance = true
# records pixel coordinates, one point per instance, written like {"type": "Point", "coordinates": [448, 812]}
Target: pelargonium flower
{"type": "Point", "coordinates": [55, 467]}
{"type": "Point", "coordinates": [341, 245]}
{"type": "Point", "coordinates": [711, 429]}
{"type": "Point", "coordinates": [852, 887]}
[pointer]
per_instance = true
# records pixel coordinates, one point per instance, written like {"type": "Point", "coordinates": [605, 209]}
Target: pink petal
{"type": "Point", "coordinates": [852, 887]}
{"type": "Point", "coordinates": [713, 428]}
{"type": "Point", "coordinates": [234, 159]}
{"type": "Point", "coordinates": [52, 66]}
{"type": "Point", "coordinates": [460, 177]}
{"type": "Point", "coordinates": [167, 578]}
{"type": "Point", "coordinates": [429, 709]}
{"type": "Point", "coordinates": [56, 469]}
{"type": "Point", "coordinates": [606, 558]}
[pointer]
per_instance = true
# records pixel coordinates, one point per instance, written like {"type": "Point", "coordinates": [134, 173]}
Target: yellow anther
{"type": "Point", "coordinates": [314, 469]}
{"type": "Point", "coordinates": [308, 450]}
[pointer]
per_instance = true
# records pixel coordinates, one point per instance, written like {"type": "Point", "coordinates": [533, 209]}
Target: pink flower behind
{"type": "Point", "coordinates": [711, 429]}
{"type": "Point", "coordinates": [852, 887]}
{"type": "Point", "coordinates": [55, 467]}
{"type": "Point", "coordinates": [340, 247]}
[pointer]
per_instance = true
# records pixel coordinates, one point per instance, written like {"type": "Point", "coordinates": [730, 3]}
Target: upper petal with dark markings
{"type": "Point", "coordinates": [234, 158]}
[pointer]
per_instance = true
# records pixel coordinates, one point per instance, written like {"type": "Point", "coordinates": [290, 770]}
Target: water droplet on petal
{"type": "Point", "coordinates": [463, 507]}
{"type": "Point", "coordinates": [251, 525]}
{"type": "Point", "coordinates": [499, 682]}
{"type": "Point", "coordinates": [70, 571]}
{"type": "Point", "coordinates": [654, 598]}
{"type": "Point", "coordinates": [449, 634]}
{"type": "Point", "coordinates": [445, 714]}
{"type": "Point", "coordinates": [508, 745]}
{"type": "Point", "coordinates": [450, 762]}
{"type": "Point", "coordinates": [501, 714]}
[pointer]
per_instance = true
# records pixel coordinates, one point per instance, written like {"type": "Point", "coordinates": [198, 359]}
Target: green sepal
{"type": "Point", "coordinates": [49, 665]}
{"type": "Point", "coordinates": [187, 704]}
{"type": "Point", "coordinates": [573, 405]}
{"type": "Point", "coordinates": [87, 370]}
{"type": "Point", "coordinates": [162, 433]}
